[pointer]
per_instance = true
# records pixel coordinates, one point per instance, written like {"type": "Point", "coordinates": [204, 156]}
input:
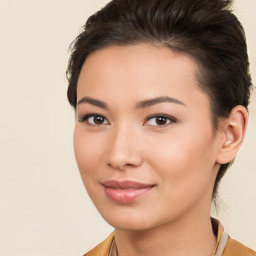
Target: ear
{"type": "Point", "coordinates": [233, 131]}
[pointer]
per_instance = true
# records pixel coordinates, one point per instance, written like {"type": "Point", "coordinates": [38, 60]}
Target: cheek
{"type": "Point", "coordinates": [183, 161]}
{"type": "Point", "coordinates": [87, 152]}
{"type": "Point", "coordinates": [180, 150]}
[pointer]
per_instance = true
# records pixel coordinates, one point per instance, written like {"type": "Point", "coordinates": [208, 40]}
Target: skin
{"type": "Point", "coordinates": [180, 157]}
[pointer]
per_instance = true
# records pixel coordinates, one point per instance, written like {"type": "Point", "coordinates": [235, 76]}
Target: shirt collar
{"type": "Point", "coordinates": [218, 230]}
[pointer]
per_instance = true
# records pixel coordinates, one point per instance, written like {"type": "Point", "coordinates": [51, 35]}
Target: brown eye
{"type": "Point", "coordinates": [94, 119]}
{"type": "Point", "coordinates": [98, 120]}
{"type": "Point", "coordinates": [160, 120]}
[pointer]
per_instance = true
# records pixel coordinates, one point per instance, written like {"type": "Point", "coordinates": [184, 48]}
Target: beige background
{"type": "Point", "coordinates": [44, 209]}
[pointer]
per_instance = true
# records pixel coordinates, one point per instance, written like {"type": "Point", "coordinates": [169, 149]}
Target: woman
{"type": "Point", "coordinates": [160, 89]}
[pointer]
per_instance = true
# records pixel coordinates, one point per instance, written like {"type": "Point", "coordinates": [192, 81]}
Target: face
{"type": "Point", "coordinates": [144, 142]}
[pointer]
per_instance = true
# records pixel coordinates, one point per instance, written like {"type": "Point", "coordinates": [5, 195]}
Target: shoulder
{"type": "Point", "coordinates": [103, 248]}
{"type": "Point", "coordinates": [234, 248]}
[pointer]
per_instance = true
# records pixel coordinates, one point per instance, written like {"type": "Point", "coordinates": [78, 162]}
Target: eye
{"type": "Point", "coordinates": [160, 120]}
{"type": "Point", "coordinates": [94, 119]}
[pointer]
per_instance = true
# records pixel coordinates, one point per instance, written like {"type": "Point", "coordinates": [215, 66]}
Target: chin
{"type": "Point", "coordinates": [126, 219]}
{"type": "Point", "coordinates": [132, 219]}
{"type": "Point", "coordinates": [130, 224]}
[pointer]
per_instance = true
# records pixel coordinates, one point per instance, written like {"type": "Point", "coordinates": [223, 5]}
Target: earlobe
{"type": "Point", "coordinates": [234, 129]}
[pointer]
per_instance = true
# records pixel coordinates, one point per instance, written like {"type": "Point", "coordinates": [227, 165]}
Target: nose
{"type": "Point", "coordinates": [124, 149]}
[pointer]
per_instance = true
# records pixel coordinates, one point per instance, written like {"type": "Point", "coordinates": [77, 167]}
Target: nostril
{"type": "Point", "coordinates": [124, 162]}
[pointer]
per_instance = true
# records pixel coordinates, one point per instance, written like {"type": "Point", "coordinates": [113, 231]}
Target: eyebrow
{"type": "Point", "coordinates": [141, 104]}
{"type": "Point", "coordinates": [157, 100]}
{"type": "Point", "coordinates": [92, 101]}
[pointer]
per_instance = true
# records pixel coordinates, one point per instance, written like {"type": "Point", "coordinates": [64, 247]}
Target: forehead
{"type": "Point", "coordinates": [138, 71]}
{"type": "Point", "coordinates": [139, 58]}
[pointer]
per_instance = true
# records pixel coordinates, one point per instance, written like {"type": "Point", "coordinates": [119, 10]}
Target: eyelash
{"type": "Point", "coordinates": [169, 118]}
{"type": "Point", "coordinates": [87, 116]}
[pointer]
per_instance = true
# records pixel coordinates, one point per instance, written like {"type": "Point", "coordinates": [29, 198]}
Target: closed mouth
{"type": "Point", "coordinates": [125, 191]}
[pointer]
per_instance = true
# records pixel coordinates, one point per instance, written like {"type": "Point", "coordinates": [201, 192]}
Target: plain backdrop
{"type": "Point", "coordinates": [44, 208]}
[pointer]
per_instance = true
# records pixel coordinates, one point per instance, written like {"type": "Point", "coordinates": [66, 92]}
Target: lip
{"type": "Point", "coordinates": [125, 191]}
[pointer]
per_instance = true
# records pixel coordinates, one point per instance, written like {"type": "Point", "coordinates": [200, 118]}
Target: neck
{"type": "Point", "coordinates": [181, 237]}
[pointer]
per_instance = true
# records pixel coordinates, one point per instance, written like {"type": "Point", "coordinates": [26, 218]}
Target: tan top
{"type": "Point", "coordinates": [224, 247]}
